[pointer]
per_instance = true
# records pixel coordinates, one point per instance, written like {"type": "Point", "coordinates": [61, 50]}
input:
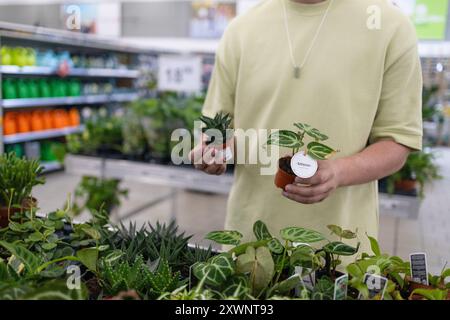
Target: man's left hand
{"type": "Point", "coordinates": [318, 187]}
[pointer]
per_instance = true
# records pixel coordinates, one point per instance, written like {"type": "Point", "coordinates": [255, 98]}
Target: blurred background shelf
{"type": "Point", "coordinates": [78, 72]}
{"type": "Point", "coordinates": [91, 99]}
{"type": "Point", "coordinates": [51, 166]}
{"type": "Point", "coordinates": [39, 135]}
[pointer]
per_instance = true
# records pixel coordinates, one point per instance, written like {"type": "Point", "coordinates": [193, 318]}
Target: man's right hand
{"type": "Point", "coordinates": [203, 158]}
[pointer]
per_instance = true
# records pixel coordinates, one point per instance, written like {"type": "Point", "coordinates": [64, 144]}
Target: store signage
{"type": "Point", "coordinates": [428, 16]}
{"type": "Point", "coordinates": [419, 269]}
{"type": "Point", "coordinates": [179, 73]}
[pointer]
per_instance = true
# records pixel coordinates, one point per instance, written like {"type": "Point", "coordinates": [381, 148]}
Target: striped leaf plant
{"type": "Point", "coordinates": [294, 140]}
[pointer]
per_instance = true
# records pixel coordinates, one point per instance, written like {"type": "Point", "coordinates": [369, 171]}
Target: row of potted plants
{"type": "Point", "coordinates": [51, 257]}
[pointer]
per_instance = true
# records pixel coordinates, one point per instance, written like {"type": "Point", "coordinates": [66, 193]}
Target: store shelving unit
{"type": "Point", "coordinates": [40, 135]}
{"type": "Point", "coordinates": [15, 35]}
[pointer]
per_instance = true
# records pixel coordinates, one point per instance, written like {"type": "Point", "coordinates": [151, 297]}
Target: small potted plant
{"type": "Point", "coordinates": [418, 170]}
{"type": "Point", "coordinates": [300, 163]}
{"type": "Point", "coordinates": [436, 289]}
{"type": "Point", "coordinates": [221, 123]}
{"type": "Point", "coordinates": [18, 176]}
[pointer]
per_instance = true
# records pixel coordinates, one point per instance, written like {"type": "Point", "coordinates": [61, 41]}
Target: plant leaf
{"type": "Point", "coordinates": [285, 286]}
{"type": "Point", "coordinates": [29, 259]}
{"type": "Point", "coordinates": [258, 263]}
{"type": "Point", "coordinates": [275, 246]}
{"type": "Point", "coordinates": [225, 237]}
{"type": "Point", "coordinates": [57, 290]}
{"type": "Point", "coordinates": [335, 229]}
{"type": "Point", "coordinates": [261, 231]}
{"type": "Point", "coordinates": [285, 138]}
{"type": "Point", "coordinates": [374, 245]}
{"type": "Point", "coordinates": [319, 151]}
{"type": "Point", "coordinates": [296, 234]}
{"type": "Point", "coordinates": [88, 257]}
{"type": "Point", "coordinates": [340, 248]}
{"type": "Point", "coordinates": [216, 271]}
{"type": "Point", "coordinates": [316, 134]}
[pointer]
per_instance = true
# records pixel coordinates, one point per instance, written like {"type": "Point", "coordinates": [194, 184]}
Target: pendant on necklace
{"type": "Point", "coordinates": [297, 72]}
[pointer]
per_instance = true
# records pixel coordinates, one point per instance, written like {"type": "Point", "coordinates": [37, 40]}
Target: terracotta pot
{"type": "Point", "coordinates": [283, 178]}
{"type": "Point", "coordinates": [27, 204]}
{"type": "Point", "coordinates": [406, 185]}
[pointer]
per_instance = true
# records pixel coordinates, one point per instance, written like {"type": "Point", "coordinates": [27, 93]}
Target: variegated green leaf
{"type": "Point", "coordinates": [335, 229]}
{"type": "Point", "coordinates": [261, 231]}
{"type": "Point", "coordinates": [275, 246]}
{"type": "Point", "coordinates": [319, 151]}
{"type": "Point", "coordinates": [28, 258]}
{"type": "Point", "coordinates": [285, 138]}
{"type": "Point", "coordinates": [346, 234]}
{"type": "Point", "coordinates": [57, 290]}
{"type": "Point", "coordinates": [302, 126]}
{"type": "Point", "coordinates": [340, 248]}
{"type": "Point", "coordinates": [295, 234]}
{"type": "Point", "coordinates": [215, 271]}
{"type": "Point", "coordinates": [316, 134]}
{"type": "Point", "coordinates": [225, 237]}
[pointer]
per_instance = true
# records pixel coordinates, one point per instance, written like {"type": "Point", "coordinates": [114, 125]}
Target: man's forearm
{"type": "Point", "coordinates": [375, 162]}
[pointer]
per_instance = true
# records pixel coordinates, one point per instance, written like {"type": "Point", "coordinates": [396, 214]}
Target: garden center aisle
{"type": "Point", "coordinates": [199, 213]}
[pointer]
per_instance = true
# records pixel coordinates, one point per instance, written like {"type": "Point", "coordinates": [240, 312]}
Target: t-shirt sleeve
{"type": "Point", "coordinates": [399, 114]}
{"type": "Point", "coordinates": [222, 85]}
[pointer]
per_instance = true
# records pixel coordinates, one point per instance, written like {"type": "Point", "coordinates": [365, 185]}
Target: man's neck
{"type": "Point", "coordinates": [308, 1]}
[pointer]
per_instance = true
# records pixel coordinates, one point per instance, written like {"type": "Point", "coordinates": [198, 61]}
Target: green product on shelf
{"type": "Point", "coordinates": [30, 57]}
{"type": "Point", "coordinates": [74, 88]}
{"type": "Point", "coordinates": [47, 152]}
{"type": "Point", "coordinates": [9, 89]}
{"type": "Point", "coordinates": [53, 151]}
{"type": "Point", "coordinates": [22, 89]}
{"type": "Point", "coordinates": [33, 89]}
{"type": "Point", "coordinates": [44, 88]}
{"type": "Point", "coordinates": [19, 56]}
{"type": "Point", "coordinates": [6, 55]}
{"type": "Point", "coordinates": [58, 88]}
{"type": "Point", "coordinates": [16, 148]}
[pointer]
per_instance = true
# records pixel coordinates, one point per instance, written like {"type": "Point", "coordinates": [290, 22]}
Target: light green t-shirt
{"type": "Point", "coordinates": [359, 85]}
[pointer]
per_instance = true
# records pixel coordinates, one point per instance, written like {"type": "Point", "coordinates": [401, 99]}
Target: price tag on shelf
{"type": "Point", "coordinates": [179, 73]}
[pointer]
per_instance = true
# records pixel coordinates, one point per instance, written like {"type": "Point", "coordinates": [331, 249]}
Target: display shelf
{"type": "Point", "coordinates": [154, 174]}
{"type": "Point", "coordinates": [40, 135]}
{"type": "Point", "coordinates": [51, 166]}
{"type": "Point", "coordinates": [78, 72]}
{"type": "Point", "coordinates": [90, 99]}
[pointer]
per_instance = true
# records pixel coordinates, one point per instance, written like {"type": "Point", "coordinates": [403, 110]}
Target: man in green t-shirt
{"type": "Point", "coordinates": [349, 68]}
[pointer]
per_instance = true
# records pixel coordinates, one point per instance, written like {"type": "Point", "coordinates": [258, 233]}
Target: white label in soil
{"type": "Point", "coordinates": [303, 165]}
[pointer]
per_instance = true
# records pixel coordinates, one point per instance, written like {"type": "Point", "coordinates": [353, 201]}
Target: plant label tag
{"type": "Point", "coordinates": [303, 165]}
{"type": "Point", "coordinates": [375, 284]}
{"type": "Point", "coordinates": [225, 154]}
{"type": "Point", "coordinates": [340, 287]}
{"type": "Point", "coordinates": [419, 267]}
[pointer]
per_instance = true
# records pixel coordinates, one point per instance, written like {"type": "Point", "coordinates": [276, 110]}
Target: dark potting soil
{"type": "Point", "coordinates": [285, 165]}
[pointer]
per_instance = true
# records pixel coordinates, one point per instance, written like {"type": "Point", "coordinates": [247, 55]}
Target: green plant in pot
{"type": "Point", "coordinates": [18, 176]}
{"type": "Point", "coordinates": [418, 169]}
{"type": "Point", "coordinates": [218, 134]}
{"type": "Point", "coordinates": [437, 288]}
{"type": "Point", "coordinates": [300, 163]}
{"type": "Point", "coordinates": [263, 268]}
{"type": "Point", "coordinates": [95, 194]}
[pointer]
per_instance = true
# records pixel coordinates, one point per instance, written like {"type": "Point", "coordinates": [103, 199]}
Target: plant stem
{"type": "Point", "coordinates": [282, 261]}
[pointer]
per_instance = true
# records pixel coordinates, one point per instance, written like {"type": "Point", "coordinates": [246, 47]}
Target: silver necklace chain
{"type": "Point", "coordinates": [298, 68]}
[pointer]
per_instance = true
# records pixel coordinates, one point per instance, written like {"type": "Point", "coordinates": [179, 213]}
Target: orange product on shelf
{"type": "Point", "coordinates": [61, 118]}
{"type": "Point", "coordinates": [23, 121]}
{"type": "Point", "coordinates": [37, 121]}
{"type": "Point", "coordinates": [74, 117]}
{"type": "Point", "coordinates": [47, 119]}
{"type": "Point", "coordinates": [9, 123]}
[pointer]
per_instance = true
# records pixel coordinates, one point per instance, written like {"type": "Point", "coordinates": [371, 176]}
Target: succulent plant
{"type": "Point", "coordinates": [220, 123]}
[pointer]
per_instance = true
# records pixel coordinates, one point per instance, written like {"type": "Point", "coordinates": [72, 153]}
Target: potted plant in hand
{"type": "Point", "coordinates": [300, 163]}
{"type": "Point", "coordinates": [17, 179]}
{"type": "Point", "coordinates": [218, 134]}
